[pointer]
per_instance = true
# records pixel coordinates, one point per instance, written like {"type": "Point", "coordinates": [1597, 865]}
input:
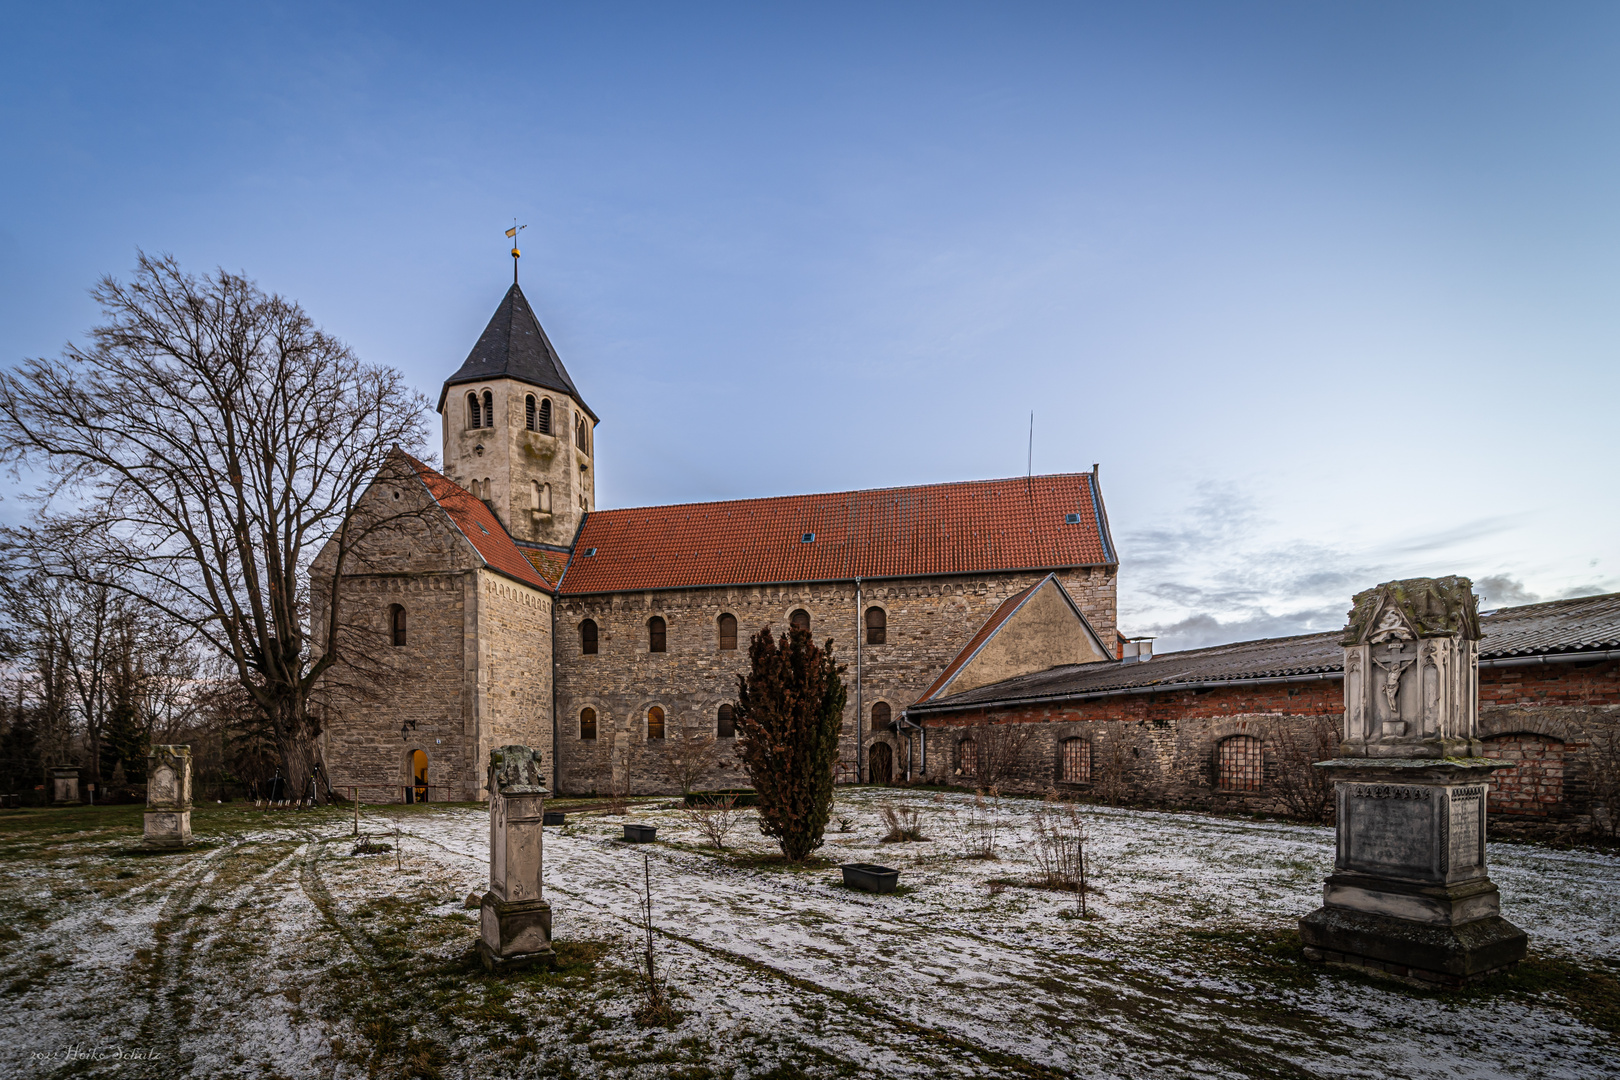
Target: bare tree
{"type": "Point", "coordinates": [1304, 790]}
{"type": "Point", "coordinates": [689, 754]}
{"type": "Point", "coordinates": [999, 749]}
{"type": "Point", "coordinates": [207, 443]}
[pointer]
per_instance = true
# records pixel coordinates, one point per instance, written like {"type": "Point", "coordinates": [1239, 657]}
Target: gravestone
{"type": "Point", "coordinates": [168, 797]}
{"type": "Point", "coordinates": [514, 919]}
{"type": "Point", "coordinates": [65, 784]}
{"type": "Point", "coordinates": [1410, 894]}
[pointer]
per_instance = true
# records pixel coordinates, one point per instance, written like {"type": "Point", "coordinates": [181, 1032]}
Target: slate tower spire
{"type": "Point", "coordinates": [517, 434]}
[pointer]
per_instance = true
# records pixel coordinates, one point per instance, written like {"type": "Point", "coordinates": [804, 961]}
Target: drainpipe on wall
{"type": "Point", "coordinates": [860, 716]}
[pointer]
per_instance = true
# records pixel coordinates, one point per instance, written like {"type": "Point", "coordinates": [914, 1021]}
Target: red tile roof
{"type": "Point", "coordinates": [963, 528]}
{"type": "Point", "coordinates": [479, 526]}
{"type": "Point", "coordinates": [549, 563]}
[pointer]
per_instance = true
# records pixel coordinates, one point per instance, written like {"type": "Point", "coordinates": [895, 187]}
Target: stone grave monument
{"type": "Point", "coordinates": [65, 785]}
{"type": "Point", "coordinates": [1409, 894]}
{"type": "Point", "coordinates": [515, 921]}
{"type": "Point", "coordinates": [168, 797]}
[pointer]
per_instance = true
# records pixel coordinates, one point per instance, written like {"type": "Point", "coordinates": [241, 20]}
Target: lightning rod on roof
{"type": "Point", "coordinates": [1029, 476]}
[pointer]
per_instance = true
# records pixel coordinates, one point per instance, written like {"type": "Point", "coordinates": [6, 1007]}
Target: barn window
{"type": "Point", "coordinates": [800, 620]}
{"type": "Point", "coordinates": [489, 409]}
{"type": "Point", "coordinates": [542, 421]}
{"type": "Point", "coordinates": [655, 633]}
{"type": "Point", "coordinates": [967, 758]}
{"type": "Point", "coordinates": [655, 723]}
{"type": "Point", "coordinates": [728, 631]}
{"type": "Point", "coordinates": [877, 626]}
{"type": "Point", "coordinates": [396, 623]}
{"type": "Point", "coordinates": [880, 716]}
{"type": "Point", "coordinates": [1074, 761]}
{"type": "Point", "coordinates": [474, 413]}
{"type": "Point", "coordinates": [1238, 763]}
{"type": "Point", "coordinates": [587, 637]}
{"type": "Point", "coordinates": [528, 412]}
{"type": "Point", "coordinates": [726, 728]}
{"type": "Point", "coordinates": [587, 723]}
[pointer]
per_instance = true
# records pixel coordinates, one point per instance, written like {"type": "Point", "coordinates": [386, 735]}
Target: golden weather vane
{"type": "Point", "coordinates": [516, 254]}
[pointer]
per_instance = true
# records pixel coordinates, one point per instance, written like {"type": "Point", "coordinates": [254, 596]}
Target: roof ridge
{"type": "Point", "coordinates": [836, 494]}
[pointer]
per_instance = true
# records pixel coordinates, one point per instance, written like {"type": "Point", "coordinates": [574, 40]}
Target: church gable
{"type": "Point", "coordinates": [1035, 630]}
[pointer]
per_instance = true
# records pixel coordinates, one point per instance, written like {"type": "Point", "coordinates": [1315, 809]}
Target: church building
{"type": "Point", "coordinates": [495, 603]}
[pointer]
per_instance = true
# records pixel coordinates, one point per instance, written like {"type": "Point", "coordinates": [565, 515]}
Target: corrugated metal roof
{"type": "Point", "coordinates": [1560, 626]}
{"type": "Point", "coordinates": [481, 528]}
{"type": "Point", "coordinates": [964, 528]}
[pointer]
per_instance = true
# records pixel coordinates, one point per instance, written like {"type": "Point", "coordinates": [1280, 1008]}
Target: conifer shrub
{"type": "Point", "coordinates": [790, 710]}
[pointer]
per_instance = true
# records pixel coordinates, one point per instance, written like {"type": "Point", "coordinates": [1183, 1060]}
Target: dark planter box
{"type": "Point", "coordinates": [640, 834]}
{"type": "Point", "coordinates": [552, 817]}
{"type": "Point", "coordinates": [739, 797]}
{"type": "Point", "coordinates": [869, 877]}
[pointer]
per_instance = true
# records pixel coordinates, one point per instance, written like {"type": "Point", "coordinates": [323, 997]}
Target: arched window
{"type": "Point", "coordinates": [474, 413]}
{"type": "Point", "coordinates": [880, 716]}
{"type": "Point", "coordinates": [655, 723]}
{"type": "Point", "coordinates": [528, 412]}
{"type": "Point", "coordinates": [580, 436]}
{"type": "Point", "coordinates": [489, 409]}
{"type": "Point", "coordinates": [587, 723]}
{"type": "Point", "coordinates": [1238, 764]}
{"type": "Point", "coordinates": [1074, 761]}
{"type": "Point", "coordinates": [655, 634]}
{"type": "Point", "coordinates": [728, 631]}
{"type": "Point", "coordinates": [396, 624]}
{"type": "Point", "coordinates": [726, 726]}
{"type": "Point", "coordinates": [800, 620]}
{"type": "Point", "coordinates": [542, 423]}
{"type": "Point", "coordinates": [587, 637]}
{"type": "Point", "coordinates": [877, 626]}
{"type": "Point", "coordinates": [967, 758]}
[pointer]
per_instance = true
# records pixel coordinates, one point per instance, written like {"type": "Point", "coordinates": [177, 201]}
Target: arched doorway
{"type": "Point", "coordinates": [880, 764]}
{"type": "Point", "coordinates": [418, 791]}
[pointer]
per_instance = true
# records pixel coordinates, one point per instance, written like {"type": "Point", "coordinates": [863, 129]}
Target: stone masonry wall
{"type": "Point", "coordinates": [514, 676]}
{"type": "Point", "coordinates": [929, 621]}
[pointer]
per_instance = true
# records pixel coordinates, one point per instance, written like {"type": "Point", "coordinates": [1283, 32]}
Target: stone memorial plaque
{"type": "Point", "coordinates": [163, 787]}
{"type": "Point", "coordinates": [1389, 829]}
{"type": "Point", "coordinates": [1466, 815]}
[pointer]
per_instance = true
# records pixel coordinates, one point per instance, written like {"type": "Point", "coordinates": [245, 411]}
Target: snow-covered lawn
{"type": "Point", "coordinates": [271, 950]}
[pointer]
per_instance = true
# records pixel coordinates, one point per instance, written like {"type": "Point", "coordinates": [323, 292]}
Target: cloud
{"type": "Point", "coordinates": [1501, 590]}
{"type": "Point", "coordinates": [1203, 630]}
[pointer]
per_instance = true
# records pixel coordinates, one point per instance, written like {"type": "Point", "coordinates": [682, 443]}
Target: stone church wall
{"type": "Point", "coordinates": [929, 621]}
{"type": "Point", "coordinates": [512, 673]}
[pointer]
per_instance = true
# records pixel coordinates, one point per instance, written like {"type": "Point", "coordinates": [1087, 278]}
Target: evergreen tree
{"type": "Point", "coordinates": [789, 714]}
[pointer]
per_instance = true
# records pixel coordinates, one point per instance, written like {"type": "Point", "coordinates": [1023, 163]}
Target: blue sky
{"type": "Point", "coordinates": [1330, 291]}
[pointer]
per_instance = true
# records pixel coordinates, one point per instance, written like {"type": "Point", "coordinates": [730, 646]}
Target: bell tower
{"type": "Point", "coordinates": [517, 434]}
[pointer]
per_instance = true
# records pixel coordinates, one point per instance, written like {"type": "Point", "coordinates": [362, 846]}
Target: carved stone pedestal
{"type": "Point", "coordinates": [168, 797]}
{"type": "Point", "coordinates": [1410, 895]}
{"type": "Point", "coordinates": [514, 919]}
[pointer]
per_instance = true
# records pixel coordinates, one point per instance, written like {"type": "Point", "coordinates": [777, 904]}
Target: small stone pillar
{"type": "Point", "coordinates": [65, 785]}
{"type": "Point", "coordinates": [1409, 894]}
{"type": "Point", "coordinates": [515, 921]}
{"type": "Point", "coordinates": [168, 797]}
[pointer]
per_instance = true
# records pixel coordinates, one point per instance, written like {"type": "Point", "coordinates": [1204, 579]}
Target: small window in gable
{"type": "Point", "coordinates": [396, 624]}
{"type": "Point", "coordinates": [728, 632]}
{"type": "Point", "coordinates": [655, 634]}
{"type": "Point", "coordinates": [877, 626]}
{"type": "Point", "coordinates": [587, 637]}
{"type": "Point", "coordinates": [655, 723]}
{"type": "Point", "coordinates": [800, 620]}
{"type": "Point", "coordinates": [726, 726]}
{"type": "Point", "coordinates": [587, 723]}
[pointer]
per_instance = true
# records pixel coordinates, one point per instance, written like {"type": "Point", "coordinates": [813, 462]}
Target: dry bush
{"type": "Point", "coordinates": [1058, 847]}
{"type": "Point", "coordinates": [984, 825]}
{"type": "Point", "coordinates": [999, 749]}
{"type": "Point", "coordinates": [656, 1009]}
{"type": "Point", "coordinates": [1603, 769]}
{"type": "Point", "coordinates": [1305, 791]}
{"type": "Point", "coordinates": [903, 824]}
{"type": "Point", "coordinates": [689, 754]}
{"type": "Point", "coordinates": [715, 818]}
{"type": "Point", "coordinates": [1111, 769]}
